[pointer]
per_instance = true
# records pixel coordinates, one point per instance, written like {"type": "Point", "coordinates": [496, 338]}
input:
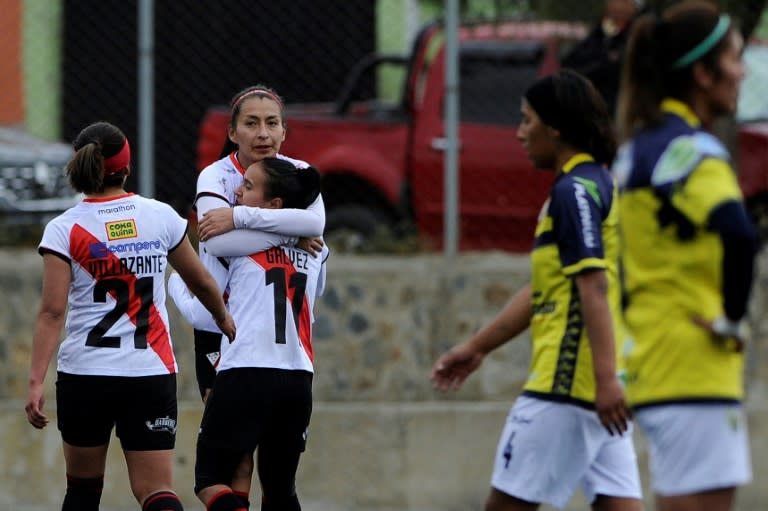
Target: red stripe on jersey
{"type": "Point", "coordinates": [81, 243]}
{"type": "Point", "coordinates": [277, 258]}
{"type": "Point", "coordinates": [236, 163]}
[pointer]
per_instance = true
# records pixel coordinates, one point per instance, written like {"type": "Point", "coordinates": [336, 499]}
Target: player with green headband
{"type": "Point", "coordinates": [688, 255]}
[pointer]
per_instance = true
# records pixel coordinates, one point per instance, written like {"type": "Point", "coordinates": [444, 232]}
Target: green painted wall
{"type": "Point", "coordinates": [41, 44]}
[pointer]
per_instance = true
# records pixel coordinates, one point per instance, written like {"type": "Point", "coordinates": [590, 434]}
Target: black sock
{"type": "Point", "coordinates": [290, 503]}
{"type": "Point", "coordinates": [226, 501]}
{"type": "Point", "coordinates": [163, 500]}
{"type": "Point", "coordinates": [83, 494]}
{"type": "Point", "coordinates": [243, 498]}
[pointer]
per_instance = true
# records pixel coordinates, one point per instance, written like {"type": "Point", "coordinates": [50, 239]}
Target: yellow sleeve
{"type": "Point", "coordinates": [712, 183]}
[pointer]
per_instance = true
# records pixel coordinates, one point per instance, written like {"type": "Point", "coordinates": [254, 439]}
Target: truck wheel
{"type": "Point", "coordinates": [352, 228]}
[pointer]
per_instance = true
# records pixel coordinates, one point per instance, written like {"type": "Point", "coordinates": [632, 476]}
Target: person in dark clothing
{"type": "Point", "coordinates": [598, 56]}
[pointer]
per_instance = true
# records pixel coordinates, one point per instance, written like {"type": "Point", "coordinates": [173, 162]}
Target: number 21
{"type": "Point", "coordinates": [144, 288]}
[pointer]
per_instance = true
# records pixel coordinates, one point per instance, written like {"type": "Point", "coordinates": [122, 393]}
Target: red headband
{"type": "Point", "coordinates": [267, 93]}
{"type": "Point", "coordinates": [119, 161]}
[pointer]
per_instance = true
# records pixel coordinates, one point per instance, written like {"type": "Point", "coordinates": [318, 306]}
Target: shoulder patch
{"type": "Point", "coordinates": [683, 155]}
{"type": "Point", "coordinates": [676, 162]}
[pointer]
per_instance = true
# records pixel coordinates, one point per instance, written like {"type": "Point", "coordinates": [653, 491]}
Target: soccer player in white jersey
{"type": "Point", "coordinates": [256, 130]}
{"type": "Point", "coordinates": [105, 259]}
{"type": "Point", "coordinates": [262, 395]}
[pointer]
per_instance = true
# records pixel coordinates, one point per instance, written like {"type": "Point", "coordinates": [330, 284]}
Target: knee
{"type": "Point", "coordinates": [83, 494]}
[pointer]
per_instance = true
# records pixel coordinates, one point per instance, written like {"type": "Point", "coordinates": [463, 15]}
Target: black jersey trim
{"type": "Point", "coordinates": [544, 239]}
{"type": "Point", "coordinates": [560, 398]}
{"type": "Point", "coordinates": [208, 194]}
{"type": "Point", "coordinates": [44, 250]}
{"type": "Point", "coordinates": [567, 359]}
{"type": "Point", "coordinates": [183, 237]}
{"type": "Point", "coordinates": [690, 401]}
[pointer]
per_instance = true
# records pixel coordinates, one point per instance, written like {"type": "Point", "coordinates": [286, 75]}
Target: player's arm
{"type": "Point", "coordinates": [711, 198]}
{"type": "Point", "coordinates": [57, 278]}
{"type": "Point", "coordinates": [609, 395]}
{"type": "Point", "coordinates": [200, 282]}
{"type": "Point", "coordinates": [578, 207]}
{"type": "Point", "coordinates": [189, 306]}
{"type": "Point", "coordinates": [238, 242]}
{"type": "Point", "coordinates": [453, 367]}
{"type": "Point", "coordinates": [306, 223]}
{"type": "Point", "coordinates": [740, 245]}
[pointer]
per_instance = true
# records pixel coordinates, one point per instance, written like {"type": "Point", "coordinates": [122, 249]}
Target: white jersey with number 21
{"type": "Point", "coordinates": [117, 249]}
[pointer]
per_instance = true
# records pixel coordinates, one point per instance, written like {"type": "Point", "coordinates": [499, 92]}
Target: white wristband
{"type": "Point", "coordinates": [724, 327]}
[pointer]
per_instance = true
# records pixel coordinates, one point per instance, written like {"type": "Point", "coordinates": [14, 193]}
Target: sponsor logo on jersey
{"type": "Point", "coordinates": [121, 229]}
{"type": "Point", "coordinates": [162, 424]}
{"type": "Point", "coordinates": [544, 308]}
{"type": "Point", "coordinates": [116, 209]}
{"type": "Point", "coordinates": [100, 249]}
{"type": "Point", "coordinates": [587, 233]}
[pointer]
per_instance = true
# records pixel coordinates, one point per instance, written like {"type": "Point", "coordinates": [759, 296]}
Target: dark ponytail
{"type": "Point", "coordinates": [661, 53]}
{"type": "Point", "coordinates": [309, 178]}
{"type": "Point", "coordinates": [95, 144]}
{"type": "Point", "coordinates": [642, 87]}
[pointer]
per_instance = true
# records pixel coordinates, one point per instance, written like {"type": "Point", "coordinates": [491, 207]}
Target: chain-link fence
{"type": "Point", "coordinates": [364, 86]}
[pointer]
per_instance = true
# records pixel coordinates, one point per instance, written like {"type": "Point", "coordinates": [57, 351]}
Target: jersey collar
{"type": "Point", "coordinates": [236, 163]}
{"type": "Point", "coordinates": [680, 109]}
{"type": "Point", "coordinates": [575, 160]}
{"type": "Point", "coordinates": [107, 199]}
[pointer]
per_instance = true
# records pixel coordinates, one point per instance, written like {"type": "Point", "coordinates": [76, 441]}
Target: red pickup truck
{"type": "Point", "coordinates": [382, 159]}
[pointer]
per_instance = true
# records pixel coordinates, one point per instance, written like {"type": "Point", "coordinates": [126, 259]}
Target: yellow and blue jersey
{"type": "Point", "coordinates": [577, 232]}
{"type": "Point", "coordinates": [671, 179]}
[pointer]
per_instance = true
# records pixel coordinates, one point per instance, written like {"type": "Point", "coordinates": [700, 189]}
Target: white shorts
{"type": "Point", "coordinates": [547, 450]}
{"type": "Point", "coordinates": [696, 447]}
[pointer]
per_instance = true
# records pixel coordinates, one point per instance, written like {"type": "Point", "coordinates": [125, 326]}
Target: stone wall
{"type": "Point", "coordinates": [381, 438]}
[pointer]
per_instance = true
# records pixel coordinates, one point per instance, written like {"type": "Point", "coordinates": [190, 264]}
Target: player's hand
{"type": "Point", "coordinates": [453, 367]}
{"type": "Point", "coordinates": [312, 245]}
{"type": "Point", "coordinates": [611, 407]}
{"type": "Point", "coordinates": [732, 334]}
{"type": "Point", "coordinates": [34, 407]}
{"type": "Point", "coordinates": [216, 221]}
{"type": "Point", "coordinates": [227, 326]}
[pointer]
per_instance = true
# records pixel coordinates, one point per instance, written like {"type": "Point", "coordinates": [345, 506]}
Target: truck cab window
{"type": "Point", "coordinates": [494, 76]}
